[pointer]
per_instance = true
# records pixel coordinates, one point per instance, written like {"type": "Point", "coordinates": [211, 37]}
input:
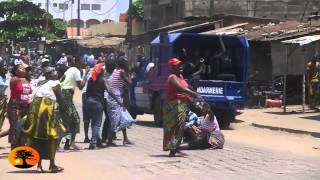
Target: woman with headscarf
{"type": "Point", "coordinates": [95, 102]}
{"type": "Point", "coordinates": [41, 126]}
{"type": "Point", "coordinates": [177, 104]}
{"type": "Point", "coordinates": [118, 80]}
{"type": "Point", "coordinates": [3, 86]}
{"type": "Point", "coordinates": [19, 102]}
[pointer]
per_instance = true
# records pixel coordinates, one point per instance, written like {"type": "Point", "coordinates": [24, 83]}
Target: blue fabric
{"type": "Point", "coordinates": [3, 85]}
{"type": "Point", "coordinates": [192, 119]}
{"type": "Point", "coordinates": [117, 123]}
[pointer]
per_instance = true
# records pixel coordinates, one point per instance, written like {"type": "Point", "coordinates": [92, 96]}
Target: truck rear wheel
{"type": "Point", "coordinates": [157, 111]}
{"type": "Point", "coordinates": [225, 118]}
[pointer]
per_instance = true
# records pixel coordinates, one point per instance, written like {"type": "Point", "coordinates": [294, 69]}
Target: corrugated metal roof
{"type": "Point", "coordinates": [270, 31]}
{"type": "Point", "coordinates": [301, 41]}
{"type": "Point", "coordinates": [100, 42]}
{"type": "Point", "coordinates": [276, 31]}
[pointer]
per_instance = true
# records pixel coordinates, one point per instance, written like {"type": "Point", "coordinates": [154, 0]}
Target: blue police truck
{"type": "Point", "coordinates": [214, 65]}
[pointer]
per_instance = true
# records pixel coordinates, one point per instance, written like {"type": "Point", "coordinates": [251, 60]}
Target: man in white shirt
{"type": "Point", "coordinates": [70, 80]}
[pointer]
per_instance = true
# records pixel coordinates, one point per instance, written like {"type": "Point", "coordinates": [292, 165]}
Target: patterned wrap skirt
{"type": "Point", "coordinates": [16, 111]}
{"type": "Point", "coordinates": [174, 119]}
{"type": "Point", "coordinates": [114, 112]}
{"type": "Point", "coordinates": [3, 110]}
{"type": "Point", "coordinates": [41, 127]}
{"type": "Point", "coordinates": [71, 118]}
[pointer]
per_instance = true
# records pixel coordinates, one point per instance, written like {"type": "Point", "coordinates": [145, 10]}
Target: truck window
{"type": "Point", "coordinates": [209, 59]}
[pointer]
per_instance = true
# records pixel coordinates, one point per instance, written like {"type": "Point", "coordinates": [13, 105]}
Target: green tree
{"type": "Point", "coordinates": [21, 20]}
{"type": "Point", "coordinates": [137, 9]}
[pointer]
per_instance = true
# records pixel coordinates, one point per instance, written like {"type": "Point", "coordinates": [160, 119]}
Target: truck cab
{"type": "Point", "coordinates": [221, 84]}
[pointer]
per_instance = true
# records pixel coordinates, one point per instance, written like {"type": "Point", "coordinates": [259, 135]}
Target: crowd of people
{"type": "Point", "coordinates": [41, 111]}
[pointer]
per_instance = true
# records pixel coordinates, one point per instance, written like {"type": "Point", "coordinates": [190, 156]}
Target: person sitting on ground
{"type": "Point", "coordinates": [192, 120]}
{"type": "Point", "coordinates": [207, 134]}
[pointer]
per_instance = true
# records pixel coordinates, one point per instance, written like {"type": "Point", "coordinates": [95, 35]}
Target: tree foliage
{"type": "Point", "coordinates": [137, 9]}
{"type": "Point", "coordinates": [23, 20]}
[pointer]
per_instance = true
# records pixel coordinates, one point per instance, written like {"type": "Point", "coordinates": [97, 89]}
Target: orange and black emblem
{"type": "Point", "coordinates": [23, 157]}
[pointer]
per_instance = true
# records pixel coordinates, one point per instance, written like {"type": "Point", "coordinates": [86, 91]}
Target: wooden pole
{"type": "Point", "coordinates": [78, 19]}
{"type": "Point", "coordinates": [303, 92]}
{"type": "Point", "coordinates": [304, 81]}
{"type": "Point", "coordinates": [285, 82]}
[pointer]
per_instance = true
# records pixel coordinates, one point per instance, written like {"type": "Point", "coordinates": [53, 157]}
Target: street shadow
{"type": "Point", "coordinates": [237, 121]}
{"type": "Point", "coordinates": [25, 172]}
{"type": "Point", "coordinates": [146, 124]}
{"type": "Point", "coordinates": [314, 118]}
{"type": "Point", "coordinates": [290, 112]}
{"type": "Point", "coordinates": [69, 151]}
{"type": "Point", "coordinates": [166, 156]}
{"type": "Point", "coordinates": [228, 128]}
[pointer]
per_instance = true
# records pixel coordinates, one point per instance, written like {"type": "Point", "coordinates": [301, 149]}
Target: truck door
{"type": "Point", "coordinates": [142, 101]}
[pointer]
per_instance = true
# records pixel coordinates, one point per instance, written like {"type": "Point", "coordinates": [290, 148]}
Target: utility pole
{"type": "Point", "coordinates": [47, 20]}
{"type": "Point", "coordinates": [72, 2]}
{"type": "Point", "coordinates": [78, 20]}
{"type": "Point", "coordinates": [129, 29]}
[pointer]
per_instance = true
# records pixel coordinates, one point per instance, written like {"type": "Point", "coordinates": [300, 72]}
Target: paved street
{"type": "Point", "coordinates": [146, 160]}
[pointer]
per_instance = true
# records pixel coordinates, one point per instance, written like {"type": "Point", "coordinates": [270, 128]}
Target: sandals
{"type": "Point", "coordinates": [111, 144]}
{"type": "Point", "coordinates": [127, 142]}
{"type": "Point", "coordinates": [172, 153]}
{"type": "Point", "coordinates": [40, 170]}
{"type": "Point", "coordinates": [55, 169]}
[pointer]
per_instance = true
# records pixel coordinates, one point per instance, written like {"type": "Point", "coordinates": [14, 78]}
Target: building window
{"type": "Point", "coordinates": [96, 6]}
{"type": "Point", "coordinates": [39, 4]}
{"type": "Point", "coordinates": [63, 6]}
{"type": "Point", "coordinates": [85, 6]}
{"type": "Point", "coordinates": [55, 5]}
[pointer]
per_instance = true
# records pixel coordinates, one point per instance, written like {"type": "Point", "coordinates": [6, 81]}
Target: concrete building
{"type": "Point", "coordinates": [163, 12]}
{"type": "Point", "coordinates": [91, 11]}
